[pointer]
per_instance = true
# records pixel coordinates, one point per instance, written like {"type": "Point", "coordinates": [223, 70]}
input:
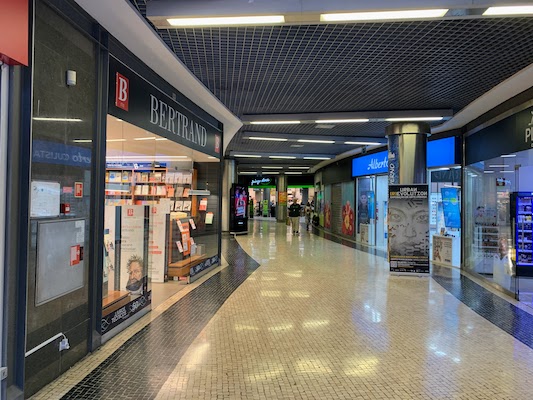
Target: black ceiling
{"type": "Point", "coordinates": [415, 65]}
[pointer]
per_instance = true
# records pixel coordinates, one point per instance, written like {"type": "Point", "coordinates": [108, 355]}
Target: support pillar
{"type": "Point", "coordinates": [229, 178]}
{"type": "Point", "coordinates": [281, 207]}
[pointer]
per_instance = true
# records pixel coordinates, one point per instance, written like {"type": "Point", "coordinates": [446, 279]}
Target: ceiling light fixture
{"type": "Point", "coordinates": [381, 15]}
{"type": "Point", "coordinates": [247, 173]}
{"type": "Point", "coordinates": [267, 138]}
{"type": "Point", "coordinates": [365, 143]}
{"type": "Point", "coordinates": [510, 10]}
{"type": "Point", "coordinates": [407, 119]}
{"type": "Point", "coordinates": [57, 119]}
{"type": "Point", "coordinates": [283, 157]}
{"type": "Point", "coordinates": [246, 155]}
{"type": "Point", "coordinates": [161, 139]}
{"type": "Point", "coordinates": [275, 122]}
{"type": "Point", "coordinates": [270, 173]}
{"type": "Point", "coordinates": [488, 172]}
{"type": "Point", "coordinates": [272, 167]}
{"type": "Point", "coordinates": [293, 173]}
{"type": "Point", "coordinates": [507, 172]}
{"type": "Point", "coordinates": [222, 21]}
{"type": "Point", "coordinates": [302, 167]}
{"type": "Point", "coordinates": [317, 158]}
{"type": "Point", "coordinates": [145, 138]}
{"type": "Point", "coordinates": [315, 141]}
{"type": "Point", "coordinates": [508, 155]}
{"type": "Point", "coordinates": [341, 121]}
{"type": "Point", "coordinates": [498, 166]}
{"type": "Point", "coordinates": [115, 140]}
{"type": "Point", "coordinates": [212, 158]}
{"type": "Point", "coordinates": [82, 141]}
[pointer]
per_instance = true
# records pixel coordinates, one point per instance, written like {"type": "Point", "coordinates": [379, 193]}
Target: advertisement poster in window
{"type": "Point", "coordinates": [450, 203]}
{"type": "Point", "coordinates": [408, 228]}
{"type": "Point", "coordinates": [348, 213]}
{"type": "Point", "coordinates": [240, 202]}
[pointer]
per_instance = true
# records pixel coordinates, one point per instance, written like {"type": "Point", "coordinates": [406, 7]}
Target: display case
{"type": "Point", "coordinates": [523, 233]}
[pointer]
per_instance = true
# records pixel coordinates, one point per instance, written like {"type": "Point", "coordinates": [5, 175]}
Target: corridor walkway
{"type": "Point", "coordinates": [308, 318]}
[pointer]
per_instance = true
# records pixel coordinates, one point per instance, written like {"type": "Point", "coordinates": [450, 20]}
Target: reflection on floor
{"type": "Point", "coordinates": [320, 320]}
{"type": "Point", "coordinates": [163, 291]}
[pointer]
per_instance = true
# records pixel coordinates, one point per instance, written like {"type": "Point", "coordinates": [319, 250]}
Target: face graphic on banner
{"type": "Point", "coordinates": [135, 274]}
{"type": "Point", "coordinates": [409, 228]}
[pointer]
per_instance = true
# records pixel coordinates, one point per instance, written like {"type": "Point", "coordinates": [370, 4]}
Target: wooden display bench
{"type": "Point", "coordinates": [183, 267]}
{"type": "Point", "coordinates": [114, 301]}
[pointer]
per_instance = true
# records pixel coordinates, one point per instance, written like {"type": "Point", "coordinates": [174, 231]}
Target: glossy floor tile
{"type": "Point", "coordinates": [303, 317]}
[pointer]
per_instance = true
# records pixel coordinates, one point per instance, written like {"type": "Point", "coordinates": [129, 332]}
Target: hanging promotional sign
{"type": "Point", "coordinates": [450, 203]}
{"type": "Point", "coordinates": [157, 236]}
{"type": "Point", "coordinates": [408, 225]}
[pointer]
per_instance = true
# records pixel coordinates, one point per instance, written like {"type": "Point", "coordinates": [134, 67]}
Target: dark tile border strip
{"type": "Point", "coordinates": [506, 316]}
{"type": "Point", "coordinates": [139, 368]}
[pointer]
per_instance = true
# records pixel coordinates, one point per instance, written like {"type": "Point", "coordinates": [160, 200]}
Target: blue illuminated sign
{"type": "Point", "coordinates": [439, 152]}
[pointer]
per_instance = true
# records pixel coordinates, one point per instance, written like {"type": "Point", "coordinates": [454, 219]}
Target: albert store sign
{"type": "Point", "coordinates": [135, 100]}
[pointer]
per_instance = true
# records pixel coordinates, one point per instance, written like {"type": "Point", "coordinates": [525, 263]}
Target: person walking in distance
{"type": "Point", "coordinates": [294, 214]}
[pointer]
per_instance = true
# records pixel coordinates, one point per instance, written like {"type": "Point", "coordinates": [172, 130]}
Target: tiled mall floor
{"type": "Point", "coordinates": [314, 319]}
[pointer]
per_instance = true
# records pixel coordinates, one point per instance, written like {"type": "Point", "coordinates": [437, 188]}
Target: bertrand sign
{"type": "Point", "coordinates": [142, 104]}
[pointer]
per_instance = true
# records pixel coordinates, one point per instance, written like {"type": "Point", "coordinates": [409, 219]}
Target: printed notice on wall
{"type": "Point", "coordinates": [45, 199]}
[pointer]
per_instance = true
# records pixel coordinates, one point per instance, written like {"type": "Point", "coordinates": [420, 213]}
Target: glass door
{"type": "Point", "coordinates": [366, 210]}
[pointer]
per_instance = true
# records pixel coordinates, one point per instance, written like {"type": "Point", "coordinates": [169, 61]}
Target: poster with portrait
{"type": "Point", "coordinates": [408, 219]}
{"type": "Point", "coordinates": [133, 270]}
{"type": "Point", "coordinates": [348, 213]}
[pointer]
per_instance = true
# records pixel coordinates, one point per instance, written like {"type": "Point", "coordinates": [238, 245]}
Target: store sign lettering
{"type": "Point", "coordinates": [122, 92]}
{"type": "Point", "coordinates": [375, 164]}
{"type": "Point", "coordinates": [265, 181]}
{"type": "Point", "coordinates": [168, 118]}
{"type": "Point", "coordinates": [528, 131]}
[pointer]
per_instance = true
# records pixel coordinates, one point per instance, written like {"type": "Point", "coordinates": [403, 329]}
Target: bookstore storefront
{"type": "Point", "coordinates": [162, 185]}
{"type": "Point", "coordinates": [499, 199]}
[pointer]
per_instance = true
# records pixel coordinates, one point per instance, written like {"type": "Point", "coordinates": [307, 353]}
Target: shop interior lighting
{"type": "Point", "coordinates": [508, 155]}
{"type": "Point", "coordinates": [317, 158]}
{"type": "Point", "coordinates": [498, 166]}
{"type": "Point", "coordinates": [510, 10]}
{"type": "Point", "coordinates": [275, 122]}
{"type": "Point", "coordinates": [384, 15]}
{"type": "Point", "coordinates": [267, 138]}
{"type": "Point", "coordinates": [507, 172]}
{"type": "Point", "coordinates": [115, 140]}
{"type": "Point", "coordinates": [224, 21]}
{"type": "Point", "coordinates": [293, 173]}
{"type": "Point", "coordinates": [271, 173]}
{"type": "Point", "coordinates": [82, 141]}
{"type": "Point", "coordinates": [302, 167]}
{"type": "Point", "coordinates": [365, 143]}
{"type": "Point", "coordinates": [407, 119]}
{"type": "Point", "coordinates": [212, 158]}
{"type": "Point", "coordinates": [315, 141]}
{"type": "Point", "coordinates": [145, 138]}
{"type": "Point", "coordinates": [161, 139]}
{"type": "Point", "coordinates": [246, 155]}
{"type": "Point", "coordinates": [488, 172]}
{"type": "Point", "coordinates": [283, 157]}
{"type": "Point", "coordinates": [272, 167]}
{"type": "Point", "coordinates": [248, 173]}
{"type": "Point", "coordinates": [57, 119]}
{"type": "Point", "coordinates": [341, 121]}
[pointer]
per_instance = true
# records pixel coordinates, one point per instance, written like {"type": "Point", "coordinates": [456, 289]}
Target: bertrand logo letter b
{"type": "Point", "coordinates": [122, 89]}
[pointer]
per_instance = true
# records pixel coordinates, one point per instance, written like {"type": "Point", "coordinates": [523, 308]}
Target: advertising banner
{"type": "Point", "coordinates": [394, 162]}
{"type": "Point", "coordinates": [133, 271]}
{"type": "Point", "coordinates": [348, 213]}
{"type": "Point", "coordinates": [408, 228]}
{"type": "Point", "coordinates": [157, 241]}
{"type": "Point", "coordinates": [442, 249]}
{"type": "Point", "coordinates": [450, 203]}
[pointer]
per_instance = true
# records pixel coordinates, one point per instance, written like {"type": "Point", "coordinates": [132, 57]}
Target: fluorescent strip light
{"type": "Point", "coordinates": [293, 173]}
{"type": "Point", "coordinates": [144, 138]}
{"type": "Point", "coordinates": [315, 141]}
{"type": "Point", "coordinates": [317, 158]}
{"type": "Point", "coordinates": [407, 119]}
{"type": "Point", "coordinates": [220, 21]}
{"type": "Point", "coordinates": [299, 167]}
{"type": "Point", "coordinates": [380, 15]}
{"type": "Point", "coordinates": [498, 166]}
{"type": "Point", "coordinates": [212, 158]}
{"type": "Point", "coordinates": [246, 155]}
{"type": "Point", "coordinates": [144, 158]}
{"type": "Point", "coordinates": [508, 155]}
{"type": "Point", "coordinates": [161, 139]}
{"type": "Point", "coordinates": [274, 122]}
{"type": "Point", "coordinates": [270, 173]}
{"type": "Point", "coordinates": [82, 141]}
{"type": "Point", "coordinates": [341, 121]}
{"type": "Point", "coordinates": [57, 119]}
{"type": "Point", "coordinates": [510, 10]}
{"type": "Point", "coordinates": [115, 140]}
{"type": "Point", "coordinates": [267, 138]}
{"type": "Point", "coordinates": [507, 172]}
{"type": "Point", "coordinates": [441, 169]}
{"type": "Point", "coordinates": [364, 143]}
{"type": "Point", "coordinates": [272, 167]}
{"type": "Point", "coordinates": [283, 157]}
{"type": "Point", "coordinates": [247, 173]}
{"type": "Point", "coordinates": [488, 172]}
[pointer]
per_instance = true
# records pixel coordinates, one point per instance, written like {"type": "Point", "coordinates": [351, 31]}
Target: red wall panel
{"type": "Point", "coordinates": [14, 21]}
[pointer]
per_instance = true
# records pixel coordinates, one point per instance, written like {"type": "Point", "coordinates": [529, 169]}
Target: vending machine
{"type": "Point", "coordinates": [238, 209]}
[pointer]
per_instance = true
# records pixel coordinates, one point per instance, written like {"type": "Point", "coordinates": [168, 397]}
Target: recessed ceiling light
{"type": "Point", "coordinates": [161, 139]}
{"type": "Point", "coordinates": [248, 173]}
{"type": "Point", "coordinates": [364, 143]}
{"type": "Point", "coordinates": [498, 166]}
{"type": "Point", "coordinates": [82, 141]}
{"type": "Point", "coordinates": [272, 167]}
{"type": "Point", "coordinates": [317, 158]}
{"type": "Point", "coordinates": [507, 172]}
{"type": "Point", "coordinates": [270, 173]}
{"type": "Point", "coordinates": [57, 119]}
{"type": "Point", "coordinates": [222, 21]}
{"type": "Point", "coordinates": [508, 155]}
{"type": "Point", "coordinates": [488, 172]}
{"type": "Point", "coordinates": [293, 173]}
{"type": "Point", "coordinates": [145, 138]}
{"type": "Point", "coordinates": [341, 121]}
{"type": "Point", "coordinates": [407, 119]}
{"type": "Point", "coordinates": [267, 138]}
{"type": "Point", "coordinates": [302, 167]}
{"type": "Point", "coordinates": [274, 122]}
{"type": "Point", "coordinates": [315, 141]}
{"type": "Point", "coordinates": [381, 15]}
{"type": "Point", "coordinates": [297, 145]}
{"type": "Point", "coordinates": [283, 157]}
{"type": "Point", "coordinates": [115, 140]}
{"type": "Point", "coordinates": [510, 10]}
{"type": "Point", "coordinates": [246, 155]}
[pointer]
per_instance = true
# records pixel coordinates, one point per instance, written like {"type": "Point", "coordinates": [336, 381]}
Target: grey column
{"type": "Point", "coordinates": [281, 208]}
{"type": "Point", "coordinates": [229, 178]}
{"type": "Point", "coordinates": [407, 152]}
